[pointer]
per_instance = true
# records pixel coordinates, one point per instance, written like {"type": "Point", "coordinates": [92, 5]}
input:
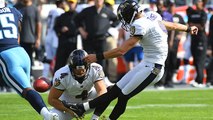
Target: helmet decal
{"type": "Point", "coordinates": [132, 30]}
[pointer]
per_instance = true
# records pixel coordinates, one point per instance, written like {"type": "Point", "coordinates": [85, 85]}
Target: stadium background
{"type": "Point", "coordinates": [182, 102]}
{"type": "Point", "coordinates": [186, 73]}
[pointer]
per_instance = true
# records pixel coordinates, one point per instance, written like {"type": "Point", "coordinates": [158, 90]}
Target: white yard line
{"type": "Point", "coordinates": [164, 106]}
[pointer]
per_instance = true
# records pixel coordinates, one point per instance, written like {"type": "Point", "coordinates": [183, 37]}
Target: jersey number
{"type": "Point", "coordinates": [9, 29]}
{"type": "Point", "coordinates": [152, 17]}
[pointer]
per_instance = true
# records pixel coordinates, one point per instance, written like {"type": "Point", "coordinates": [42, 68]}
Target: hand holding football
{"type": "Point", "coordinates": [42, 84]}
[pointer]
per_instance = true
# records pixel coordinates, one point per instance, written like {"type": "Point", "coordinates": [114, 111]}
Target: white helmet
{"type": "Point", "coordinates": [2, 3]}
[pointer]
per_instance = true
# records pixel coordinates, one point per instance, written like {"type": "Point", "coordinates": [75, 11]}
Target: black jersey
{"type": "Point", "coordinates": [96, 24]}
{"type": "Point", "coordinates": [197, 17]}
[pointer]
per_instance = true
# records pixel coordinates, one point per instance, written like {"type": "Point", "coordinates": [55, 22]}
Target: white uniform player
{"type": "Point", "coordinates": [149, 30]}
{"type": "Point", "coordinates": [51, 41]}
{"type": "Point", "coordinates": [75, 89]}
{"type": "Point", "coordinates": [155, 47]}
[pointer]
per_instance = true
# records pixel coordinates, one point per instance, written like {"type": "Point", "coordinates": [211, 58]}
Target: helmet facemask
{"type": "Point", "coordinates": [80, 73]}
{"type": "Point", "coordinates": [126, 13]}
{"type": "Point", "coordinates": [78, 66]}
{"type": "Point", "coordinates": [125, 25]}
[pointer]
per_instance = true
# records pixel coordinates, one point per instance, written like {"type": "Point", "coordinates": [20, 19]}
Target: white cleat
{"type": "Point", "coordinates": [52, 116]}
{"type": "Point", "coordinates": [198, 85]}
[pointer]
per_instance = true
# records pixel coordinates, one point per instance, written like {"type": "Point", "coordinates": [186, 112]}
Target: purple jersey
{"type": "Point", "coordinates": [167, 16]}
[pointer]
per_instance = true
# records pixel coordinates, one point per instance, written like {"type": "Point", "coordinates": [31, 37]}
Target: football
{"type": "Point", "coordinates": [42, 84]}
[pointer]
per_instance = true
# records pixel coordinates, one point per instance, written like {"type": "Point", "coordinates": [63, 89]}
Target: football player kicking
{"type": "Point", "coordinates": [147, 28]}
{"type": "Point", "coordinates": [77, 82]}
{"type": "Point", "coordinates": [15, 62]}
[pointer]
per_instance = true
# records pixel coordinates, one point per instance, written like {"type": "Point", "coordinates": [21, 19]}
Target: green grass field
{"type": "Point", "coordinates": [148, 105]}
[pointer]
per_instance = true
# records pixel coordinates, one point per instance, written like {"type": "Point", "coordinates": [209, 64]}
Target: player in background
{"type": "Point", "coordinates": [76, 82]}
{"type": "Point", "coordinates": [15, 63]}
{"type": "Point", "coordinates": [51, 41]}
{"type": "Point", "coordinates": [134, 55]}
{"type": "Point", "coordinates": [150, 31]}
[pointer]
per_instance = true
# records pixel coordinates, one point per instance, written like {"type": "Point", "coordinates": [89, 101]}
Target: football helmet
{"type": "Point", "coordinates": [78, 66]}
{"type": "Point", "coordinates": [126, 13]}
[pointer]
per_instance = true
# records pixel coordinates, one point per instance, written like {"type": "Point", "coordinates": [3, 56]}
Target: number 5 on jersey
{"type": "Point", "coordinates": [9, 29]}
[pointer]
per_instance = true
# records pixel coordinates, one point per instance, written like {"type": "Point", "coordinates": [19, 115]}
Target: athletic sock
{"type": "Point", "coordinates": [35, 100]}
{"type": "Point", "coordinates": [44, 112]}
{"type": "Point", "coordinates": [86, 106]}
{"type": "Point", "coordinates": [95, 117]}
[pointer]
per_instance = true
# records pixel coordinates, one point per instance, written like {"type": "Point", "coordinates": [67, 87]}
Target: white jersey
{"type": "Point", "coordinates": [51, 18]}
{"type": "Point", "coordinates": [127, 36]}
{"type": "Point", "coordinates": [63, 80]}
{"type": "Point", "coordinates": [154, 40]}
{"type": "Point", "coordinates": [51, 40]}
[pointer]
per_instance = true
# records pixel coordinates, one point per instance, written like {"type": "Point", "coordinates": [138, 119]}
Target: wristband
{"type": "Point", "coordinates": [99, 56]}
{"type": "Point", "coordinates": [188, 29]}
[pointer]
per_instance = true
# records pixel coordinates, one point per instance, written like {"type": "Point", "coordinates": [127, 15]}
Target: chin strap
{"type": "Point", "coordinates": [81, 79]}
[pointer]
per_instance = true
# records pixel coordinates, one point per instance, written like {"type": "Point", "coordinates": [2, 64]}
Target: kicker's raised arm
{"type": "Point", "coordinates": [180, 27]}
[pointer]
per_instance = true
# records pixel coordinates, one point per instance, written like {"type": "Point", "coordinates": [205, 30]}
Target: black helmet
{"type": "Point", "coordinates": [126, 13]}
{"type": "Point", "coordinates": [78, 66]}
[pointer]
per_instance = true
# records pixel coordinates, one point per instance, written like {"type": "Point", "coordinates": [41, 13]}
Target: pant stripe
{"type": "Point", "coordinates": [143, 85]}
{"type": "Point", "coordinates": [8, 77]}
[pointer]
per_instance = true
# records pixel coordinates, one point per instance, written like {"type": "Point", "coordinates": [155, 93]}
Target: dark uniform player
{"type": "Point", "coordinates": [198, 18]}
{"type": "Point", "coordinates": [172, 63]}
{"type": "Point", "coordinates": [210, 45]}
{"type": "Point", "coordinates": [15, 62]}
{"type": "Point", "coordinates": [67, 34]}
{"type": "Point", "coordinates": [93, 23]}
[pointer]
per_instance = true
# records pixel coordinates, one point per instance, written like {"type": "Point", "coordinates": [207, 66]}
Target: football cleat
{"type": "Point", "coordinates": [52, 116]}
{"type": "Point", "coordinates": [76, 108]}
